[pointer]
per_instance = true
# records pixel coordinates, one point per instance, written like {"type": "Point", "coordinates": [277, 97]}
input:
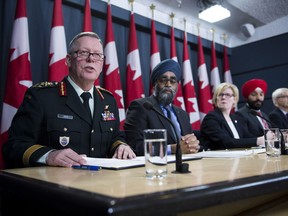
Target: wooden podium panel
{"type": "Point", "coordinates": [214, 183]}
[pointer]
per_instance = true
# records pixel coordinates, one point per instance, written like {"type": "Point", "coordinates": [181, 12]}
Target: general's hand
{"type": "Point", "coordinates": [189, 144]}
{"type": "Point", "coordinates": [124, 152]}
{"type": "Point", "coordinates": [65, 158]}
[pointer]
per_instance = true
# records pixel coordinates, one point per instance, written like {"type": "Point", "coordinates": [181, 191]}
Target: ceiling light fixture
{"type": "Point", "coordinates": [212, 11]}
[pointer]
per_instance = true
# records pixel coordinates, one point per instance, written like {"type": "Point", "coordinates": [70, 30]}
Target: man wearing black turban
{"type": "Point", "coordinates": [164, 78]}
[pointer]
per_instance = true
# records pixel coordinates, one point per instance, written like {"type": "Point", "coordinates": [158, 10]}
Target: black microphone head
{"type": "Point", "coordinates": [148, 105]}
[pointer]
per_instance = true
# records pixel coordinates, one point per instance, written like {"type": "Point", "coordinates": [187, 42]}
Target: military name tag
{"type": "Point", "coordinates": [62, 116]}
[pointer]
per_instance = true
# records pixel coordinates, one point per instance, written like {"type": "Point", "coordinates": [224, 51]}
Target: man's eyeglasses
{"type": "Point", "coordinates": [165, 80]}
{"type": "Point", "coordinates": [283, 96]}
{"type": "Point", "coordinates": [86, 54]}
{"type": "Point", "coordinates": [227, 95]}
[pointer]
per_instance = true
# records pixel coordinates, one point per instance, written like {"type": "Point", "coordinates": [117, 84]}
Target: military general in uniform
{"type": "Point", "coordinates": [53, 126]}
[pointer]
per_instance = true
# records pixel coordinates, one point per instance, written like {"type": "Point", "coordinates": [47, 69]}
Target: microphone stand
{"type": "Point", "coordinates": [284, 151]}
{"type": "Point", "coordinates": [180, 167]}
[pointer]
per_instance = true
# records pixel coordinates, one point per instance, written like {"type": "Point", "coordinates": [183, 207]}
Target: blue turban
{"type": "Point", "coordinates": [165, 66]}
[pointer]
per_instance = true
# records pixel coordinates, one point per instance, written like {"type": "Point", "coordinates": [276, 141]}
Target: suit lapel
{"type": "Point", "coordinates": [99, 106]}
{"type": "Point", "coordinates": [224, 122]}
{"type": "Point", "coordinates": [165, 123]}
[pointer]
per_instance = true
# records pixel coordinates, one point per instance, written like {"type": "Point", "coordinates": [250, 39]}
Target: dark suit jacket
{"type": "Point", "coordinates": [252, 122]}
{"type": "Point", "coordinates": [53, 117]}
{"type": "Point", "coordinates": [139, 118]}
{"type": "Point", "coordinates": [278, 119]}
{"type": "Point", "coordinates": [217, 134]}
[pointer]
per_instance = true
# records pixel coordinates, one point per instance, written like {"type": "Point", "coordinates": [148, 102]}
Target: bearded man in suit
{"type": "Point", "coordinates": [254, 91]}
{"type": "Point", "coordinates": [164, 78]}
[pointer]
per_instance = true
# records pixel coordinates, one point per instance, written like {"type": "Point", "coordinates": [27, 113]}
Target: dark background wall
{"type": "Point", "coordinates": [265, 59]}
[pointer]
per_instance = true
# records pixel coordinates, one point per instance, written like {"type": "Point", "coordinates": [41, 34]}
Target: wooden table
{"type": "Point", "coordinates": [215, 186]}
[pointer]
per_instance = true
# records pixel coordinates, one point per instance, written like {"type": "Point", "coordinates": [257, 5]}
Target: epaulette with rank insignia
{"type": "Point", "coordinates": [45, 84]}
{"type": "Point", "coordinates": [99, 89]}
{"type": "Point", "coordinates": [61, 86]}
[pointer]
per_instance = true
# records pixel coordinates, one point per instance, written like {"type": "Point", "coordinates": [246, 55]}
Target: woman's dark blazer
{"type": "Point", "coordinates": [216, 133]}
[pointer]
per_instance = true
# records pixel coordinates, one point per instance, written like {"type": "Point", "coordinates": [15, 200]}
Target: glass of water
{"type": "Point", "coordinates": [155, 149]}
{"type": "Point", "coordinates": [272, 142]}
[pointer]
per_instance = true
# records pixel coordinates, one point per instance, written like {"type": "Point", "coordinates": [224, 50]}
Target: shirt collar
{"type": "Point", "coordinates": [78, 90]}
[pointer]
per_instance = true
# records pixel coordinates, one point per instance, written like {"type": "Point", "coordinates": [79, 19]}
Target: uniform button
{"type": "Point", "coordinates": [92, 131]}
{"type": "Point", "coordinates": [65, 129]}
{"type": "Point", "coordinates": [111, 129]}
{"type": "Point", "coordinates": [92, 149]}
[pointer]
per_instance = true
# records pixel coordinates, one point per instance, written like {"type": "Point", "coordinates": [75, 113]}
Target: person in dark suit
{"type": "Point", "coordinates": [52, 126]}
{"type": "Point", "coordinates": [222, 130]}
{"type": "Point", "coordinates": [279, 116]}
{"type": "Point", "coordinates": [254, 91]}
{"type": "Point", "coordinates": [164, 78]}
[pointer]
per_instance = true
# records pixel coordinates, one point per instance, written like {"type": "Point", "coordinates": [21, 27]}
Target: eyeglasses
{"type": "Point", "coordinates": [227, 95]}
{"type": "Point", "coordinates": [283, 96]}
{"type": "Point", "coordinates": [86, 54]}
{"type": "Point", "coordinates": [165, 80]}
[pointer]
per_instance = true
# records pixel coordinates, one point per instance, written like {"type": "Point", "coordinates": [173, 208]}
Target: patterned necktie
{"type": "Point", "coordinates": [173, 118]}
{"type": "Point", "coordinates": [86, 96]}
{"type": "Point", "coordinates": [265, 124]}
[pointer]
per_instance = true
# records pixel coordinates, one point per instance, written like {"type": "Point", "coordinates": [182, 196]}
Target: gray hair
{"type": "Point", "coordinates": [277, 93]}
{"type": "Point", "coordinates": [82, 34]}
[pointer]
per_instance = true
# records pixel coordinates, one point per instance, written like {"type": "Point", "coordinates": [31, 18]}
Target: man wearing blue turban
{"type": "Point", "coordinates": [140, 116]}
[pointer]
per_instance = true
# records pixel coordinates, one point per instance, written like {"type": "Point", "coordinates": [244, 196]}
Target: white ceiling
{"type": "Point", "coordinates": [268, 17]}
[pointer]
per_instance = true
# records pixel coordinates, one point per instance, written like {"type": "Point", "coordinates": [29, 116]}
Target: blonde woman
{"type": "Point", "coordinates": [221, 129]}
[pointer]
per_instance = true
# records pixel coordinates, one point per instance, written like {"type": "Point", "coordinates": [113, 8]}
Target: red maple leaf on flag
{"type": "Point", "coordinates": [154, 51]}
{"type": "Point", "coordinates": [111, 78]}
{"type": "Point", "coordinates": [204, 95]}
{"type": "Point", "coordinates": [87, 26]}
{"type": "Point", "coordinates": [134, 83]}
{"type": "Point", "coordinates": [227, 72]}
{"type": "Point", "coordinates": [58, 50]}
{"type": "Point", "coordinates": [215, 77]}
{"type": "Point", "coordinates": [178, 100]}
{"type": "Point", "coordinates": [87, 22]}
{"type": "Point", "coordinates": [189, 94]}
{"type": "Point", "coordinates": [18, 73]}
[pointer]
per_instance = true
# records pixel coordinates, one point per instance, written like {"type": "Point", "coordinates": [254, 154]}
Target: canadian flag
{"type": "Point", "coordinates": [134, 83]}
{"type": "Point", "coordinates": [18, 73]}
{"type": "Point", "coordinates": [189, 93]}
{"type": "Point", "coordinates": [87, 26]}
{"type": "Point", "coordinates": [178, 100]}
{"type": "Point", "coordinates": [112, 81]}
{"type": "Point", "coordinates": [154, 51]}
{"type": "Point", "coordinates": [227, 72]}
{"type": "Point", "coordinates": [204, 90]}
{"type": "Point", "coordinates": [58, 50]}
{"type": "Point", "coordinates": [87, 23]}
{"type": "Point", "coordinates": [215, 77]}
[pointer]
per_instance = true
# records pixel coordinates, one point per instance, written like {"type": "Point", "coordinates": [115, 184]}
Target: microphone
{"type": "Point", "coordinates": [180, 167]}
{"type": "Point", "coordinates": [283, 150]}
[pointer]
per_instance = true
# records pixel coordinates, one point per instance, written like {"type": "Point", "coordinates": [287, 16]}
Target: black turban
{"type": "Point", "coordinates": [165, 66]}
